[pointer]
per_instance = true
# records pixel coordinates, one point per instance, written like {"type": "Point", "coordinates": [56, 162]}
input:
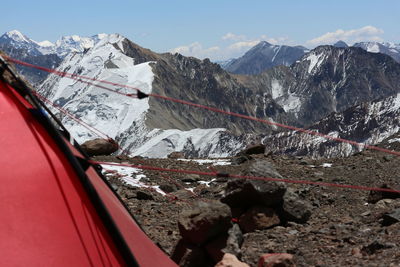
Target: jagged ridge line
{"type": "Point", "coordinates": [247, 117]}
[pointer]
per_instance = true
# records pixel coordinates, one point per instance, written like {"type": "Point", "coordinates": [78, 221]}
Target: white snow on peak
{"type": "Point", "coordinates": [18, 36]}
{"type": "Point", "coordinates": [277, 90]}
{"type": "Point", "coordinates": [118, 116]}
{"type": "Point", "coordinates": [46, 44]}
{"type": "Point", "coordinates": [315, 61]}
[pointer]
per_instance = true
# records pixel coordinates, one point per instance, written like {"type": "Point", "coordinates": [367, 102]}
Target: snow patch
{"type": "Point", "coordinates": [214, 162]}
{"type": "Point", "coordinates": [315, 61]}
{"type": "Point", "coordinates": [130, 176]}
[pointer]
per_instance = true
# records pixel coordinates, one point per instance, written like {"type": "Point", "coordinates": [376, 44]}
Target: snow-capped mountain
{"type": "Point", "coordinates": [125, 119]}
{"type": "Point", "coordinates": [61, 47]}
{"type": "Point", "coordinates": [264, 56]}
{"type": "Point", "coordinates": [389, 49]}
{"type": "Point", "coordinates": [17, 40]}
{"type": "Point", "coordinates": [368, 123]}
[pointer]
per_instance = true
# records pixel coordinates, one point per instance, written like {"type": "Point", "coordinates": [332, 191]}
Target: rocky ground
{"type": "Point", "coordinates": [345, 227]}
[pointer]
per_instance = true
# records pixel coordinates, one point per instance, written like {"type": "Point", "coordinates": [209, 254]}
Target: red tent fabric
{"type": "Point", "coordinates": [54, 210]}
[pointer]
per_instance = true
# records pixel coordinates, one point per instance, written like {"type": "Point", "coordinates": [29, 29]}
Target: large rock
{"type": "Point", "coordinates": [99, 147]}
{"type": "Point", "coordinates": [391, 218]}
{"type": "Point", "coordinates": [375, 196]}
{"type": "Point", "coordinates": [203, 221]}
{"type": "Point", "coordinates": [188, 255]}
{"type": "Point", "coordinates": [258, 218]}
{"type": "Point", "coordinates": [294, 208]}
{"type": "Point", "coordinates": [249, 192]}
{"type": "Point", "coordinates": [227, 243]}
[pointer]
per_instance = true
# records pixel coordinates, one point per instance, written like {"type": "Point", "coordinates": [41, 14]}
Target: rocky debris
{"type": "Point", "coordinates": [391, 218]}
{"type": "Point", "coordinates": [99, 147]}
{"type": "Point", "coordinates": [276, 260]}
{"type": "Point", "coordinates": [375, 196]}
{"type": "Point", "coordinates": [229, 260]}
{"type": "Point", "coordinates": [337, 234]}
{"type": "Point", "coordinates": [258, 218]}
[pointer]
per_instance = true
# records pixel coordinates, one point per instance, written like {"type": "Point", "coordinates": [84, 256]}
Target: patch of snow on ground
{"type": "Point", "coordinates": [214, 162]}
{"type": "Point", "coordinates": [130, 176]}
{"type": "Point", "coordinates": [207, 183]}
{"type": "Point", "coordinates": [326, 165]}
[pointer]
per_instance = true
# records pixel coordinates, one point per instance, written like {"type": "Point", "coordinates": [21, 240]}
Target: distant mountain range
{"type": "Point", "coordinates": [326, 80]}
{"type": "Point", "coordinates": [264, 56]}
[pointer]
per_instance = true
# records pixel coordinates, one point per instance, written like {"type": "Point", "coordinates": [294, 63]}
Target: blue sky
{"type": "Point", "coordinates": [208, 28]}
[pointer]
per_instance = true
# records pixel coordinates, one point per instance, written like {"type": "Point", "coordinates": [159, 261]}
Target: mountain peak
{"type": "Point", "coordinates": [17, 36]}
{"type": "Point", "coordinates": [340, 44]}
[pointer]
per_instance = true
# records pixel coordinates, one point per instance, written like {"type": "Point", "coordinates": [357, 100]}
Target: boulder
{"type": "Point", "coordinates": [391, 218]}
{"type": "Point", "coordinates": [99, 147]}
{"type": "Point", "coordinates": [249, 192]}
{"type": "Point", "coordinates": [375, 196]}
{"type": "Point", "coordinates": [230, 260]}
{"type": "Point", "coordinates": [258, 218]}
{"type": "Point", "coordinates": [276, 260]}
{"type": "Point", "coordinates": [227, 243]}
{"type": "Point", "coordinates": [203, 221]}
{"type": "Point", "coordinates": [294, 208]}
{"type": "Point", "coordinates": [187, 255]}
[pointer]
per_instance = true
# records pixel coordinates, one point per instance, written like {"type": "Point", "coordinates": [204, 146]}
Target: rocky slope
{"type": "Point", "coordinates": [367, 123]}
{"type": "Point", "coordinates": [265, 56]}
{"type": "Point", "coordinates": [346, 227]}
{"type": "Point", "coordinates": [328, 79]}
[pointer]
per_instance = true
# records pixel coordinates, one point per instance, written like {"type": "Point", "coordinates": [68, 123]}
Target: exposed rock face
{"type": "Point", "coordinates": [367, 123]}
{"type": "Point", "coordinates": [99, 147]}
{"type": "Point", "coordinates": [264, 56]}
{"type": "Point", "coordinates": [328, 79]}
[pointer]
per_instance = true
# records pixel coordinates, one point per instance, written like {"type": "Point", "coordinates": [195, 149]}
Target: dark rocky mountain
{"type": "Point", "coordinates": [326, 80]}
{"type": "Point", "coordinates": [264, 56]}
{"type": "Point", "coordinates": [389, 49]}
{"type": "Point", "coordinates": [340, 44]}
{"type": "Point", "coordinates": [368, 123]}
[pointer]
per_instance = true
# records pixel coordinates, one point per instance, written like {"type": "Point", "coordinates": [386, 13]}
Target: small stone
{"type": "Point", "coordinates": [391, 218]}
{"type": "Point", "coordinates": [168, 188]}
{"type": "Point", "coordinates": [99, 147]}
{"type": "Point", "coordinates": [142, 195]}
{"type": "Point", "coordinates": [230, 260]}
{"type": "Point", "coordinates": [294, 208]}
{"type": "Point", "coordinates": [276, 260]}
